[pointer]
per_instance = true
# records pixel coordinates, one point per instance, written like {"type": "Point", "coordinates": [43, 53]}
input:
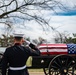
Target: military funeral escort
{"type": "Point", "coordinates": [15, 57]}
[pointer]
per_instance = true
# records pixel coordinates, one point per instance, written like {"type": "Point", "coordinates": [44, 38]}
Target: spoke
{"type": "Point", "coordinates": [54, 72]}
{"type": "Point", "coordinates": [51, 73]}
{"type": "Point", "coordinates": [59, 61]}
{"type": "Point", "coordinates": [57, 64]}
{"type": "Point", "coordinates": [70, 71]}
{"type": "Point", "coordinates": [71, 62]}
{"type": "Point", "coordinates": [66, 61]}
{"type": "Point", "coordinates": [54, 67]}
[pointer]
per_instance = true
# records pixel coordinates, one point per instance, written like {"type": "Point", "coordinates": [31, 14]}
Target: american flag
{"type": "Point", "coordinates": [52, 49]}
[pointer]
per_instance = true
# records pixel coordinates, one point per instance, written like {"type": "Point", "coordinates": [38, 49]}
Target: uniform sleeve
{"type": "Point", "coordinates": [34, 51]}
{"type": "Point", "coordinates": [4, 63]}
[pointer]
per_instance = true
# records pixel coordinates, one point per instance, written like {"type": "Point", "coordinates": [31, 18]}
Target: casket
{"type": "Point", "coordinates": [54, 49]}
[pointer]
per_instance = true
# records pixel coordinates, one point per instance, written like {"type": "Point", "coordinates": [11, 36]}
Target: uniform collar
{"type": "Point", "coordinates": [17, 44]}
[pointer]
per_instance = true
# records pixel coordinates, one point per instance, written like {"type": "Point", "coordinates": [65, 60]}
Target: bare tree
{"type": "Point", "coordinates": [13, 12]}
{"type": "Point", "coordinates": [19, 11]}
{"type": "Point", "coordinates": [61, 37]}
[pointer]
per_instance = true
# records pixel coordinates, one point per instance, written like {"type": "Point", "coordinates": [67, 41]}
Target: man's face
{"type": "Point", "coordinates": [23, 40]}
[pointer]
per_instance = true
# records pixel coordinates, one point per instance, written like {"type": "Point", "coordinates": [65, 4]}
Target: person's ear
{"type": "Point", "coordinates": [23, 40]}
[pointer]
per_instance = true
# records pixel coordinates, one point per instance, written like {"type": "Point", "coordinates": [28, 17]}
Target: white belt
{"type": "Point", "coordinates": [17, 68]}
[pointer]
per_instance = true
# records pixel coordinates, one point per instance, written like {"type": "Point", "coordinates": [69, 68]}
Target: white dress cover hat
{"type": "Point", "coordinates": [18, 35]}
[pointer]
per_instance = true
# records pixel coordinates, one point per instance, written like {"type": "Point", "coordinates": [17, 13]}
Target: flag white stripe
{"type": "Point", "coordinates": [54, 50]}
{"type": "Point", "coordinates": [52, 46]}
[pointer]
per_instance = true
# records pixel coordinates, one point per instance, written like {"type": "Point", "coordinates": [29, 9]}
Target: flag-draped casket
{"type": "Point", "coordinates": [54, 49]}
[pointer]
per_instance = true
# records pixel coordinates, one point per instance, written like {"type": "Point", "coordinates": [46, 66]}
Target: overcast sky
{"type": "Point", "coordinates": [63, 21]}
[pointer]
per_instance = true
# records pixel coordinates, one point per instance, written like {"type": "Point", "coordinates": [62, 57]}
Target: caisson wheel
{"type": "Point", "coordinates": [62, 65]}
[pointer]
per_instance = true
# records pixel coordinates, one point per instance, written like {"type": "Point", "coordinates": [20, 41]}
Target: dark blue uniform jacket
{"type": "Point", "coordinates": [17, 55]}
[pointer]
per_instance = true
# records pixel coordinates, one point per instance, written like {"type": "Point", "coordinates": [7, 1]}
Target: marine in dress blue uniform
{"type": "Point", "coordinates": [16, 57]}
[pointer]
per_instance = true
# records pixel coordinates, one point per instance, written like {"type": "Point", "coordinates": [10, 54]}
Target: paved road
{"type": "Point", "coordinates": [36, 73]}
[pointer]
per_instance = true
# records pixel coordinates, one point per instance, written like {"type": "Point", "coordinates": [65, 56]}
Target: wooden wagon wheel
{"type": "Point", "coordinates": [74, 69]}
{"type": "Point", "coordinates": [62, 65]}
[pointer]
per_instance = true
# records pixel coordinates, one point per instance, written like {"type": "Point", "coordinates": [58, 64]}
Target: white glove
{"type": "Point", "coordinates": [27, 42]}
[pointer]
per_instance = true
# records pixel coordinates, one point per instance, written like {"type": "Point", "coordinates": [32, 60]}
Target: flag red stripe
{"type": "Point", "coordinates": [53, 49]}
{"type": "Point", "coordinates": [58, 53]}
{"type": "Point", "coordinates": [53, 53]}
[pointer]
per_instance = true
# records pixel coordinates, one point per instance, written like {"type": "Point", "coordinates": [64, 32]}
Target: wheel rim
{"type": "Point", "coordinates": [62, 65]}
{"type": "Point", "coordinates": [45, 71]}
